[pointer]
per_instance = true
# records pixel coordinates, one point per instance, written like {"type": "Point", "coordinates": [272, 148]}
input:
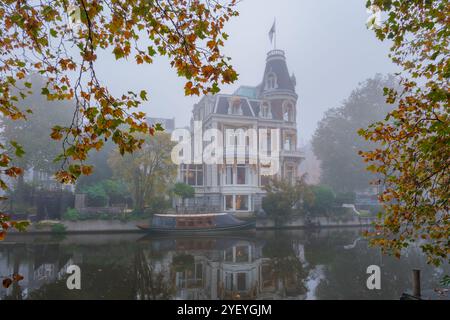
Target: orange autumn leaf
{"type": "Point", "coordinates": [7, 283]}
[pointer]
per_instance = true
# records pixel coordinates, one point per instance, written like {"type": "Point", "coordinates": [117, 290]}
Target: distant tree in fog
{"type": "Point", "coordinates": [336, 141]}
{"type": "Point", "coordinates": [33, 134]}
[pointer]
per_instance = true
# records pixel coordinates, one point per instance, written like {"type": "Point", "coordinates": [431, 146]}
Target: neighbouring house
{"type": "Point", "coordinates": [166, 123]}
{"type": "Point", "coordinates": [270, 105]}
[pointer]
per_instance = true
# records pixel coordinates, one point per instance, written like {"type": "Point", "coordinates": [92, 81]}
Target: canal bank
{"type": "Point", "coordinates": [118, 226]}
{"type": "Point", "coordinates": [301, 222]}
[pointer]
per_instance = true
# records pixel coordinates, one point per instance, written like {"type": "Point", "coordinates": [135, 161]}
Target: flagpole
{"type": "Point", "coordinates": [275, 36]}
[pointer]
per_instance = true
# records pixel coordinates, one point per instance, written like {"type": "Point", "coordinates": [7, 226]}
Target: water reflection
{"type": "Point", "coordinates": [330, 264]}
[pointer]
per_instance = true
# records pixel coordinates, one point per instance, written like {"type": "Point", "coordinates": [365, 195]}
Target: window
{"type": "Point", "coordinates": [198, 271]}
{"type": "Point", "coordinates": [242, 202]}
{"type": "Point", "coordinates": [266, 146]}
{"type": "Point", "coordinates": [235, 106]}
{"type": "Point", "coordinates": [265, 180]}
{"type": "Point", "coordinates": [241, 174]}
{"type": "Point", "coordinates": [192, 174]}
{"type": "Point", "coordinates": [289, 143]}
{"type": "Point", "coordinates": [288, 112]}
{"type": "Point", "coordinates": [229, 254]}
{"type": "Point", "coordinates": [237, 202]}
{"type": "Point", "coordinates": [265, 111]}
{"type": "Point", "coordinates": [241, 281]}
{"type": "Point", "coordinates": [271, 81]}
{"type": "Point", "coordinates": [242, 254]}
{"type": "Point", "coordinates": [228, 281]}
{"type": "Point", "coordinates": [228, 202]}
{"type": "Point", "coordinates": [229, 174]}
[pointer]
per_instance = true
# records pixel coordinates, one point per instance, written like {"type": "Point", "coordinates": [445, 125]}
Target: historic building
{"type": "Point", "coordinates": [269, 105]}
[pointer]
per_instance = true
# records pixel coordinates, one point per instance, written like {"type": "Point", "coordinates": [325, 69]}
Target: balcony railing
{"type": "Point", "coordinates": [275, 52]}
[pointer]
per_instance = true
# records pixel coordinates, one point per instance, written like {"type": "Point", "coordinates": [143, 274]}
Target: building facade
{"type": "Point", "coordinates": [238, 187]}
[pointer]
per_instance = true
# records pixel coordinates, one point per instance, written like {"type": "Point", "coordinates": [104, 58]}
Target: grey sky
{"type": "Point", "coordinates": [327, 47]}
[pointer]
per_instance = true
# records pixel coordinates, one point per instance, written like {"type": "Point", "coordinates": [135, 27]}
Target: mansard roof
{"type": "Point", "coordinates": [247, 91]}
{"type": "Point", "coordinates": [251, 97]}
{"type": "Point", "coordinates": [223, 104]}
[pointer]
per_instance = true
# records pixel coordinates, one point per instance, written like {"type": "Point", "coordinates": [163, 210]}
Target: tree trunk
{"type": "Point", "coordinates": [20, 192]}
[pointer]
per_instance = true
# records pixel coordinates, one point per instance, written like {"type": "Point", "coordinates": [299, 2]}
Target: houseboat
{"type": "Point", "coordinates": [189, 223]}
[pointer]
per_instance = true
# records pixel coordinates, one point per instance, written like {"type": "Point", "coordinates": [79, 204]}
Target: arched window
{"type": "Point", "coordinates": [288, 112]}
{"type": "Point", "coordinates": [271, 81]}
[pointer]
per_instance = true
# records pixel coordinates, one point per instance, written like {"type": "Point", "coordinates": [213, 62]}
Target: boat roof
{"type": "Point", "coordinates": [192, 215]}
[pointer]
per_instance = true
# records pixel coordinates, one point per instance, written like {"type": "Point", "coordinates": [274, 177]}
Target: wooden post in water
{"type": "Point", "coordinates": [416, 282]}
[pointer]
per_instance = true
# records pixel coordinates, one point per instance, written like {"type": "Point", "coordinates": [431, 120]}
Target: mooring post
{"type": "Point", "coordinates": [416, 282]}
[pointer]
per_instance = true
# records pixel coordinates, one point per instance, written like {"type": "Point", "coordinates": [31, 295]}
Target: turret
{"type": "Point", "coordinates": [276, 80]}
{"type": "Point", "coordinates": [277, 89]}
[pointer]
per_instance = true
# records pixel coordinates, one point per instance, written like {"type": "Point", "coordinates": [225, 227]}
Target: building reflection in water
{"type": "Point", "coordinates": [328, 264]}
{"type": "Point", "coordinates": [223, 268]}
{"type": "Point", "coordinates": [39, 264]}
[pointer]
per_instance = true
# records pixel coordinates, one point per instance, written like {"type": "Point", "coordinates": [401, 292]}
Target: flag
{"type": "Point", "coordinates": [272, 31]}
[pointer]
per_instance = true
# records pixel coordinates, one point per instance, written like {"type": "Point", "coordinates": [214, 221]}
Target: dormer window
{"type": "Point", "coordinates": [271, 81]}
{"type": "Point", "coordinates": [234, 106]}
{"type": "Point", "coordinates": [265, 111]}
{"type": "Point", "coordinates": [237, 109]}
{"type": "Point", "coordinates": [288, 112]}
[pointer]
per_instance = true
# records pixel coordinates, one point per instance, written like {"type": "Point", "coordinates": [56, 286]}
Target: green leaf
{"type": "Point", "coordinates": [143, 95]}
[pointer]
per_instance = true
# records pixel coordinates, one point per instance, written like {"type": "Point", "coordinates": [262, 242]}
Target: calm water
{"type": "Point", "coordinates": [325, 264]}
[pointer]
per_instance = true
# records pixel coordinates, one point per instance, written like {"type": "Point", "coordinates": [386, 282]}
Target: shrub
{"type": "Point", "coordinates": [71, 214]}
{"type": "Point", "coordinates": [107, 191]}
{"type": "Point", "coordinates": [158, 205]}
{"type": "Point", "coordinates": [96, 195]}
{"type": "Point", "coordinates": [284, 198]}
{"type": "Point", "coordinates": [324, 200]}
{"type": "Point", "coordinates": [59, 228]}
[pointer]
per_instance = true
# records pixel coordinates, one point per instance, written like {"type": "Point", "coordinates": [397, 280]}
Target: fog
{"type": "Point", "coordinates": [327, 45]}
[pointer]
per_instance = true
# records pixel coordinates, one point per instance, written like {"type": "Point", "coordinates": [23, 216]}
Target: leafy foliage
{"type": "Point", "coordinates": [71, 214]}
{"type": "Point", "coordinates": [59, 228]}
{"type": "Point", "coordinates": [8, 281]}
{"type": "Point", "coordinates": [284, 199]}
{"type": "Point", "coordinates": [62, 41]}
{"type": "Point", "coordinates": [183, 190]}
{"type": "Point", "coordinates": [147, 172]}
{"type": "Point", "coordinates": [324, 200]}
{"type": "Point", "coordinates": [414, 157]}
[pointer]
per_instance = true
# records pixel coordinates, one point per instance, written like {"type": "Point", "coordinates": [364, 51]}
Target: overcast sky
{"type": "Point", "coordinates": [327, 46]}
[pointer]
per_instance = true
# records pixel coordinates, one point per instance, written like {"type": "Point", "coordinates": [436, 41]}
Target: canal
{"type": "Point", "coordinates": [322, 264]}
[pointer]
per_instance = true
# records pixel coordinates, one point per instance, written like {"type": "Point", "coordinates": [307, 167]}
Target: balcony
{"type": "Point", "coordinates": [292, 153]}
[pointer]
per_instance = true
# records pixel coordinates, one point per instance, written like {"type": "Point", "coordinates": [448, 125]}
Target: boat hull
{"type": "Point", "coordinates": [243, 226]}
